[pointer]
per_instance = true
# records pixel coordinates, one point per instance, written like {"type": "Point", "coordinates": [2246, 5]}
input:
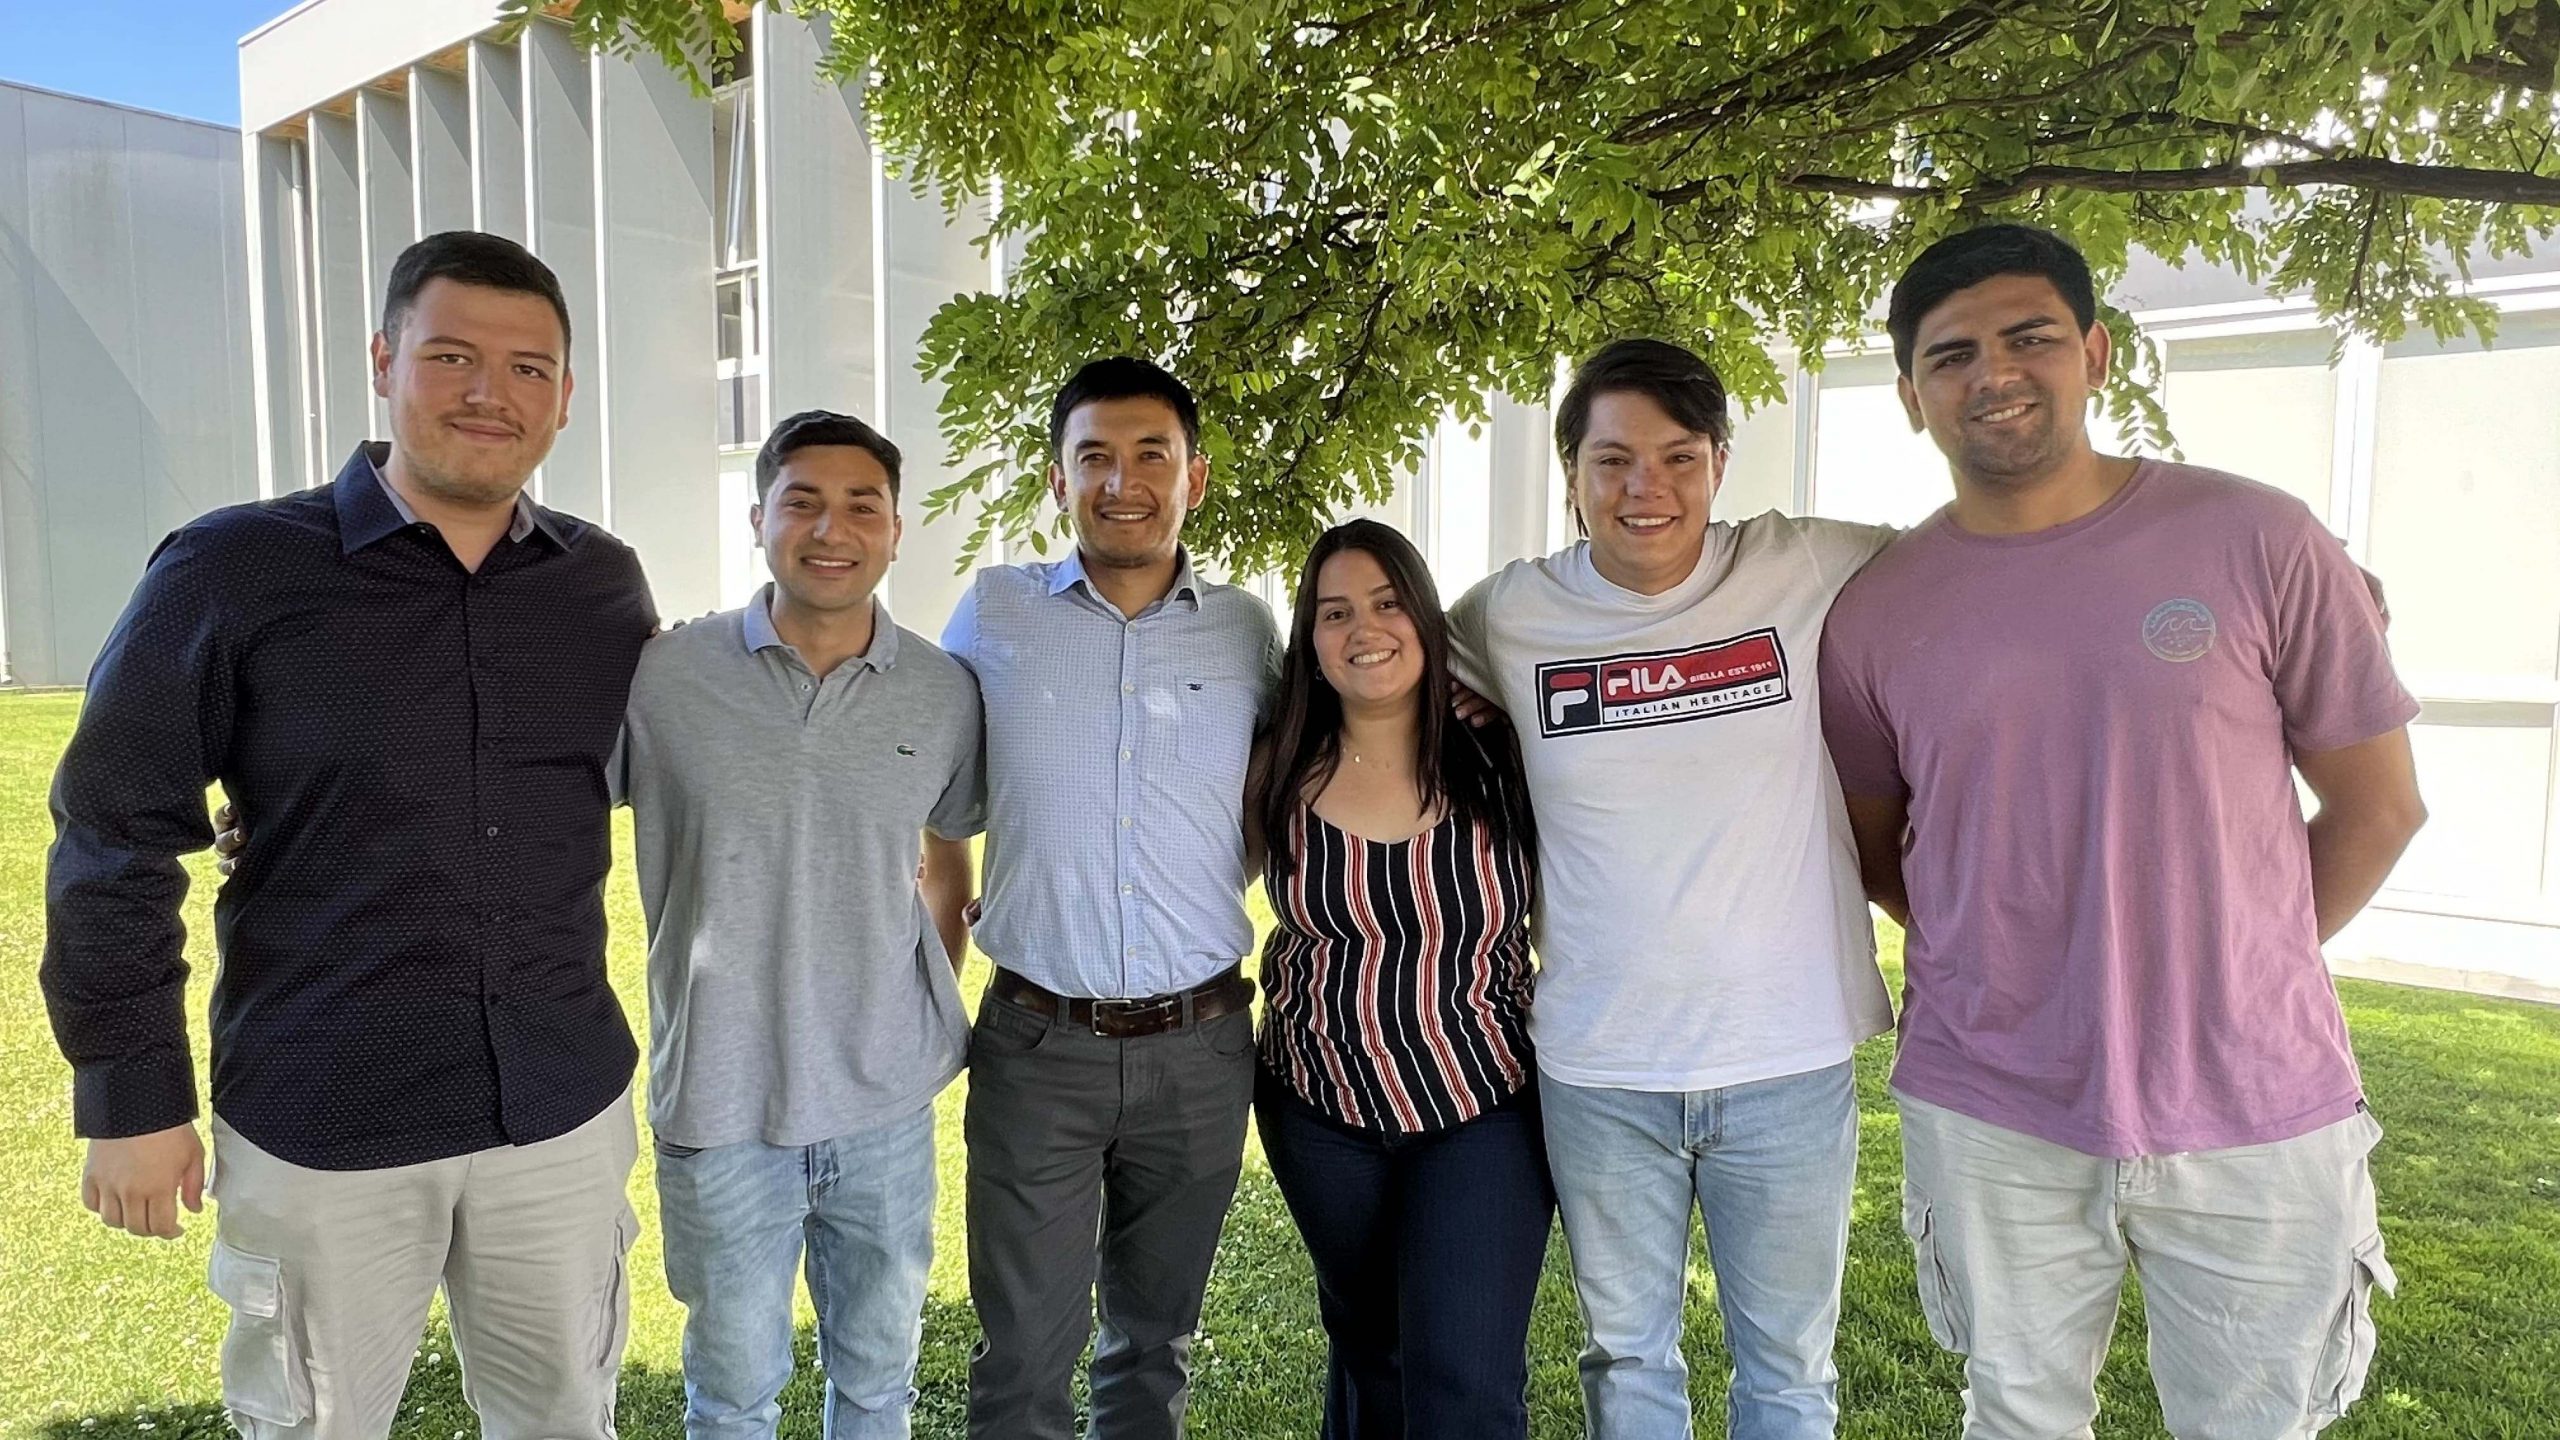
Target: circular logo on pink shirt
{"type": "Point", "coordinates": [2178, 630]}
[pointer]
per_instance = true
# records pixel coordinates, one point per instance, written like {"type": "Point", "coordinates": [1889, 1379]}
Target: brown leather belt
{"type": "Point", "coordinates": [1128, 1019]}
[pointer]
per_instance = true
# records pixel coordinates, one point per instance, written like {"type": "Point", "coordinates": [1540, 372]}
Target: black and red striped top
{"type": "Point", "coordinates": [1397, 981]}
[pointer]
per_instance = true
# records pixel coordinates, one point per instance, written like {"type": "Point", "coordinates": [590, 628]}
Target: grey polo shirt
{"type": "Point", "coordinates": [797, 989]}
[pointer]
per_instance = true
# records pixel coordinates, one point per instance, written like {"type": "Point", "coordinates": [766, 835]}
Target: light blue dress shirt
{"type": "Point", "coordinates": [1116, 754]}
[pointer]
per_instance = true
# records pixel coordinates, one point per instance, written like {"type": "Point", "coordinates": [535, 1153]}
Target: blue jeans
{"type": "Point", "coordinates": [1427, 1250]}
{"type": "Point", "coordinates": [1769, 1166]}
{"type": "Point", "coordinates": [740, 1222]}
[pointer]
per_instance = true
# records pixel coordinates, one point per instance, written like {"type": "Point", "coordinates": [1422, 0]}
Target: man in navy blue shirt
{"type": "Point", "coordinates": [408, 682]}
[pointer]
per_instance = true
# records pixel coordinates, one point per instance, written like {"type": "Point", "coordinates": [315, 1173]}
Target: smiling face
{"type": "Point", "coordinates": [1365, 642]}
{"type": "Point", "coordinates": [1642, 483]}
{"type": "Point", "coordinates": [478, 380]}
{"type": "Point", "coordinates": [2000, 378]}
{"type": "Point", "coordinates": [1126, 474]}
{"type": "Point", "coordinates": [829, 527]}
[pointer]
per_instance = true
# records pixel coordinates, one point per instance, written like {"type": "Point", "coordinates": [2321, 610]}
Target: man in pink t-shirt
{"type": "Point", "coordinates": [2067, 712]}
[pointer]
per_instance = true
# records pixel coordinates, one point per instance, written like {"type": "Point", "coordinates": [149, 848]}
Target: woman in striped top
{"type": "Point", "coordinates": [1396, 1098]}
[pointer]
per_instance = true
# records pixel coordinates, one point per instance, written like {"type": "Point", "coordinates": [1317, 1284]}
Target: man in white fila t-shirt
{"type": "Point", "coordinates": [1707, 961]}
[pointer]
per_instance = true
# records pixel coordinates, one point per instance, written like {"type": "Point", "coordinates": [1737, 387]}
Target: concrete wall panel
{"type": "Point", "coordinates": [816, 182]}
{"type": "Point", "coordinates": [390, 221]}
{"type": "Point", "coordinates": [653, 386]}
{"type": "Point", "coordinates": [277, 272]}
{"type": "Point", "coordinates": [318, 51]}
{"type": "Point", "coordinates": [931, 256]}
{"type": "Point", "coordinates": [439, 149]}
{"type": "Point", "coordinates": [342, 309]}
{"type": "Point", "coordinates": [496, 75]}
{"type": "Point", "coordinates": [124, 375]}
{"type": "Point", "coordinates": [26, 570]}
{"type": "Point", "coordinates": [560, 205]}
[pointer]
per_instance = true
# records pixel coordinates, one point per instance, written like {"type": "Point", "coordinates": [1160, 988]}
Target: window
{"type": "Point", "coordinates": [738, 276]}
{"type": "Point", "coordinates": [1868, 465]}
{"type": "Point", "coordinates": [2263, 406]}
{"type": "Point", "coordinates": [2466, 519]}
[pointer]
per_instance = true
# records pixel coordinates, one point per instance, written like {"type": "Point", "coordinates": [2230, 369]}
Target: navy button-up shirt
{"type": "Point", "coordinates": [413, 953]}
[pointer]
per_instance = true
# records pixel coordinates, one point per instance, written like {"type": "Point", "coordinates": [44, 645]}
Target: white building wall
{"type": "Point", "coordinates": [125, 379]}
{"type": "Point", "coordinates": [560, 226]}
{"type": "Point", "coordinates": [439, 149]}
{"type": "Point", "coordinates": [373, 122]}
{"type": "Point", "coordinates": [652, 400]}
{"type": "Point", "coordinates": [342, 311]}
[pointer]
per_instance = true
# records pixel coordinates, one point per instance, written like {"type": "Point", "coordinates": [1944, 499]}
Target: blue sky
{"type": "Point", "coordinates": [179, 56]}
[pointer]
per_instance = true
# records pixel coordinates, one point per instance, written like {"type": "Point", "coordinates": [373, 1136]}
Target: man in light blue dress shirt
{"type": "Point", "coordinates": [1112, 1057]}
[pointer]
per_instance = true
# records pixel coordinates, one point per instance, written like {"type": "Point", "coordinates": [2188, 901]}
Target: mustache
{"type": "Point", "coordinates": [2022, 395]}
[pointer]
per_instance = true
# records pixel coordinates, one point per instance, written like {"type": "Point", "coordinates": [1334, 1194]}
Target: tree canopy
{"type": "Point", "coordinates": [1339, 219]}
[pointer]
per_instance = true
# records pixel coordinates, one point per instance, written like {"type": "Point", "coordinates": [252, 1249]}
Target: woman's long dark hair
{"type": "Point", "coordinates": [1475, 771]}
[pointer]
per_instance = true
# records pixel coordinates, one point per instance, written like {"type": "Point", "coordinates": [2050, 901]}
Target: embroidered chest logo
{"type": "Point", "coordinates": [2179, 630]}
{"type": "Point", "coordinates": [1661, 687]}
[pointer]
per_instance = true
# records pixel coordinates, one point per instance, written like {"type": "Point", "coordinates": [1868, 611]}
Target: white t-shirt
{"type": "Point", "coordinates": [1701, 921]}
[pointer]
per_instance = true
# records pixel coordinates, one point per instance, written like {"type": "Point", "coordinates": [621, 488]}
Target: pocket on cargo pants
{"type": "Point", "coordinates": [1942, 1302]}
{"type": "Point", "coordinates": [266, 1379]}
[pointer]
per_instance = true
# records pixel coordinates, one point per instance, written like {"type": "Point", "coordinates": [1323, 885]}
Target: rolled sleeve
{"type": "Point", "coordinates": [2333, 675]}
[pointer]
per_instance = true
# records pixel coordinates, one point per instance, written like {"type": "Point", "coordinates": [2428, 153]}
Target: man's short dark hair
{"type": "Point", "coordinates": [821, 427]}
{"type": "Point", "coordinates": [1123, 377]}
{"type": "Point", "coordinates": [1969, 257]}
{"type": "Point", "coordinates": [1672, 376]}
{"type": "Point", "coordinates": [470, 257]}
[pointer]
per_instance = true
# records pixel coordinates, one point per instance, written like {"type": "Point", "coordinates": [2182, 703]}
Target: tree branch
{"type": "Point", "coordinates": [2355, 172]}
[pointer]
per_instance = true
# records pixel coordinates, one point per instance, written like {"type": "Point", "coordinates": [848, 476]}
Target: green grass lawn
{"type": "Point", "coordinates": [105, 1335]}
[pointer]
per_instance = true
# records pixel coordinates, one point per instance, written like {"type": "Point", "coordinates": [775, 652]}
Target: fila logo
{"type": "Point", "coordinates": [1661, 687]}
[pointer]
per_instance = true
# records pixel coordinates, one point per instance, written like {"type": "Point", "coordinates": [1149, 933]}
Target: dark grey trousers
{"type": "Point", "coordinates": [1096, 1167]}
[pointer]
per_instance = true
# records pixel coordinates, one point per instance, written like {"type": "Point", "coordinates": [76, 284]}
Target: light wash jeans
{"type": "Point", "coordinates": [741, 1219]}
{"type": "Point", "coordinates": [1769, 1166]}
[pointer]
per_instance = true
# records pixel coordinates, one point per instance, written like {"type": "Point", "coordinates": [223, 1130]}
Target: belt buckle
{"type": "Point", "coordinates": [1110, 1015]}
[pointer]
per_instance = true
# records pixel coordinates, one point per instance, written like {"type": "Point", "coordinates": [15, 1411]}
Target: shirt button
{"type": "Point", "coordinates": [1128, 889]}
{"type": "Point", "coordinates": [1133, 950]}
{"type": "Point", "coordinates": [1124, 824]}
{"type": "Point", "coordinates": [1127, 688]}
{"type": "Point", "coordinates": [493, 832]}
{"type": "Point", "coordinates": [1124, 754]}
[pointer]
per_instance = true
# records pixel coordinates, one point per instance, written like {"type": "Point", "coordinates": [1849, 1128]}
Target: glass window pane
{"type": "Point", "coordinates": [2486, 773]}
{"type": "Point", "coordinates": [734, 329]}
{"type": "Point", "coordinates": [1760, 472]}
{"type": "Point", "coordinates": [2263, 406]}
{"type": "Point", "coordinates": [2466, 515]}
{"type": "Point", "coordinates": [1868, 465]}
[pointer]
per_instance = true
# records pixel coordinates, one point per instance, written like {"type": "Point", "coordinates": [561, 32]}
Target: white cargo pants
{"type": "Point", "coordinates": [2257, 1263]}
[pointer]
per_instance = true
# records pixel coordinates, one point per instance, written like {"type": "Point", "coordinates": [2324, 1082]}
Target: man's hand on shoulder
{"type": "Point", "coordinates": [1474, 709]}
{"type": "Point", "coordinates": [136, 1183]}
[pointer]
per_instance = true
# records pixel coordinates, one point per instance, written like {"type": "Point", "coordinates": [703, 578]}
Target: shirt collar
{"type": "Point", "coordinates": [761, 636]}
{"type": "Point", "coordinates": [1065, 575]}
{"type": "Point", "coordinates": [369, 509]}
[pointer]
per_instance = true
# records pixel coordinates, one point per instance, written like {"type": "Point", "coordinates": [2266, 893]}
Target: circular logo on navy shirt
{"type": "Point", "coordinates": [2178, 630]}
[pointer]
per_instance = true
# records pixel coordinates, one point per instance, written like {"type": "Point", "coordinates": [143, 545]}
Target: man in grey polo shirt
{"type": "Point", "coordinates": [1112, 1064]}
{"type": "Point", "coordinates": [781, 761]}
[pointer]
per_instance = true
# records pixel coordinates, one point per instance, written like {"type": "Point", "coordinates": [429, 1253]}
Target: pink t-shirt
{"type": "Point", "coordinates": [2112, 943]}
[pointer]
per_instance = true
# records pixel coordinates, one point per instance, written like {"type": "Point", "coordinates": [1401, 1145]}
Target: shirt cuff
{"type": "Point", "coordinates": [133, 1094]}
